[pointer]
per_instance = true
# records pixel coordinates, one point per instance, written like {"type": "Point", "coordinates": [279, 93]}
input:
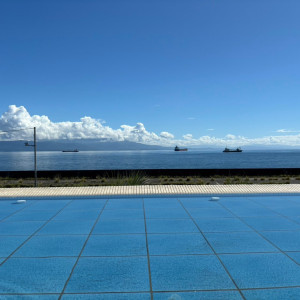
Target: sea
{"type": "Point", "coordinates": [148, 159]}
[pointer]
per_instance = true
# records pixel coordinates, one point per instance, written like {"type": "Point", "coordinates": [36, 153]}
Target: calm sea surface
{"type": "Point", "coordinates": [155, 159]}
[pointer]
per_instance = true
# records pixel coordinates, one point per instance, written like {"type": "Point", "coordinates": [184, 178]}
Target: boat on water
{"type": "Point", "coordinates": [233, 150]}
{"type": "Point", "coordinates": [180, 149]}
{"type": "Point", "coordinates": [75, 150]}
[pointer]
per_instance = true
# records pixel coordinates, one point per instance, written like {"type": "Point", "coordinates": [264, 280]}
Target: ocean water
{"type": "Point", "coordinates": [154, 159]}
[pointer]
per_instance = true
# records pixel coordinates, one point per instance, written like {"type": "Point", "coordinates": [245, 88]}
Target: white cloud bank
{"type": "Point", "coordinates": [89, 128]}
{"type": "Point", "coordinates": [86, 128]}
{"type": "Point", "coordinates": [287, 131]}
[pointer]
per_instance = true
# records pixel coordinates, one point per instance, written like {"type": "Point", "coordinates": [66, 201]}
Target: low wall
{"type": "Point", "coordinates": [154, 172]}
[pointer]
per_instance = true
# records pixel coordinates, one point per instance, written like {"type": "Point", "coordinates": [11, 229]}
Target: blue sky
{"type": "Point", "coordinates": [181, 67]}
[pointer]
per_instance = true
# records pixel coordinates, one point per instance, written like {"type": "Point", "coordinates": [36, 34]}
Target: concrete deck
{"type": "Point", "coordinates": [150, 190]}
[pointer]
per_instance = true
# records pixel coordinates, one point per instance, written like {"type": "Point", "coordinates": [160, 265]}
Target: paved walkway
{"type": "Point", "coordinates": [150, 190]}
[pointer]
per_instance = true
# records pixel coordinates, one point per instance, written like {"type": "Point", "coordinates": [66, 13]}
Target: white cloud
{"type": "Point", "coordinates": [230, 136]}
{"type": "Point", "coordinates": [188, 136]}
{"type": "Point", "coordinates": [166, 135]}
{"type": "Point", "coordinates": [137, 134]}
{"type": "Point", "coordinates": [87, 127]}
{"type": "Point", "coordinates": [210, 129]}
{"type": "Point", "coordinates": [287, 131]}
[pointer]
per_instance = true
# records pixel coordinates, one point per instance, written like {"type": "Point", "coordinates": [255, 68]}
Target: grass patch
{"type": "Point", "coordinates": [138, 178]}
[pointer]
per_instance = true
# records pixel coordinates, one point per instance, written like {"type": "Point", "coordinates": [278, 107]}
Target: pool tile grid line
{"type": "Point", "coordinates": [263, 270]}
{"type": "Point", "coordinates": [260, 234]}
{"type": "Point", "coordinates": [273, 293]}
{"type": "Point", "coordinates": [216, 255]}
{"type": "Point", "coordinates": [149, 234]}
{"type": "Point", "coordinates": [219, 294]}
{"type": "Point", "coordinates": [196, 293]}
{"type": "Point", "coordinates": [156, 292]}
{"type": "Point", "coordinates": [150, 190]}
{"type": "Point", "coordinates": [282, 215]}
{"type": "Point", "coordinates": [33, 234]}
{"type": "Point", "coordinates": [219, 203]}
{"type": "Point", "coordinates": [154, 255]}
{"type": "Point", "coordinates": [290, 219]}
{"type": "Point", "coordinates": [104, 295]}
{"type": "Point", "coordinates": [83, 247]}
{"type": "Point", "coordinates": [15, 212]}
{"type": "Point", "coordinates": [31, 296]}
{"type": "Point", "coordinates": [148, 255]}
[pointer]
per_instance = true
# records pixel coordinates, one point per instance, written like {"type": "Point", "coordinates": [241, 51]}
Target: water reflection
{"type": "Point", "coordinates": [158, 159]}
{"type": "Point", "coordinates": [16, 161]}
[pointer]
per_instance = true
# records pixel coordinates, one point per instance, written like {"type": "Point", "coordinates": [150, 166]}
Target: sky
{"type": "Point", "coordinates": [166, 72]}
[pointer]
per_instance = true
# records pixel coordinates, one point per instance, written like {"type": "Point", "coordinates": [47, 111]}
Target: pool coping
{"type": "Point", "coordinates": [150, 190]}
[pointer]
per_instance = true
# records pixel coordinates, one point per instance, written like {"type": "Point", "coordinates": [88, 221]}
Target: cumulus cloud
{"type": "Point", "coordinates": [88, 128]}
{"type": "Point", "coordinates": [18, 117]}
{"type": "Point", "coordinates": [230, 136]}
{"type": "Point", "coordinates": [166, 135]}
{"type": "Point", "coordinates": [188, 136]}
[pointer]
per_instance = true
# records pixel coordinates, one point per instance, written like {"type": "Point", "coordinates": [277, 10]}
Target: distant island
{"type": "Point", "coordinates": [81, 145]}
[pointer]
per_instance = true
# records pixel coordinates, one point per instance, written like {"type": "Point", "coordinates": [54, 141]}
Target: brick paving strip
{"type": "Point", "coordinates": [150, 190]}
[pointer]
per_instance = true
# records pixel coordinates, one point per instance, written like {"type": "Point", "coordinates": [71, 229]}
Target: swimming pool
{"type": "Point", "coordinates": [135, 247]}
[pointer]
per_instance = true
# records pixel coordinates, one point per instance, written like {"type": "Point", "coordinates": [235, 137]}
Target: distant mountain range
{"type": "Point", "coordinates": [105, 145]}
{"type": "Point", "coordinates": [81, 145]}
{"type": "Point", "coordinates": [247, 148]}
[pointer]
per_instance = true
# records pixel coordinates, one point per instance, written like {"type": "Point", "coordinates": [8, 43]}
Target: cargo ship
{"type": "Point", "coordinates": [180, 149]}
{"type": "Point", "coordinates": [75, 150]}
{"type": "Point", "coordinates": [232, 150]}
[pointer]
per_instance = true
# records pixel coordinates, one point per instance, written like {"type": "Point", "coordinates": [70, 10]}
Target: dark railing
{"type": "Point", "coordinates": [153, 172]}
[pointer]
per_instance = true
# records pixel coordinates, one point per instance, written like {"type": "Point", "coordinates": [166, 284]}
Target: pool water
{"type": "Point", "coordinates": [236, 247]}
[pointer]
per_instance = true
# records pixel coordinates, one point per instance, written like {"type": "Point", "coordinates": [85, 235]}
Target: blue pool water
{"type": "Point", "coordinates": [155, 159]}
{"type": "Point", "coordinates": [239, 247]}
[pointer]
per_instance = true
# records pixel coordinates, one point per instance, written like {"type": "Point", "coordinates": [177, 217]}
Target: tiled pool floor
{"type": "Point", "coordinates": [239, 247]}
